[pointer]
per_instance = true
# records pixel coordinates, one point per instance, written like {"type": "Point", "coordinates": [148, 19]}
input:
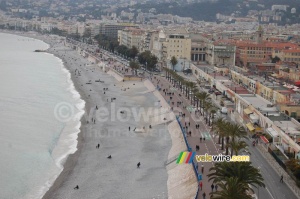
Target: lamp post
{"type": "Point", "coordinates": [258, 186]}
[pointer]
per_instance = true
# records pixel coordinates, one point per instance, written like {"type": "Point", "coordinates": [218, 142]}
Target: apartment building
{"type": "Point", "coordinates": [288, 55]}
{"type": "Point", "coordinates": [177, 43]}
{"type": "Point", "coordinates": [111, 28]}
{"type": "Point", "coordinates": [130, 37]}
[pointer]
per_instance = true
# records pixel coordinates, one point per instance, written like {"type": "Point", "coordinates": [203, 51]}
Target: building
{"type": "Point", "coordinates": [130, 37]}
{"type": "Point", "coordinates": [111, 29]}
{"type": "Point", "coordinates": [177, 43]}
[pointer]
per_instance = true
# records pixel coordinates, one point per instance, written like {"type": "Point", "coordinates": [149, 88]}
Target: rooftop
{"type": "Point", "coordinates": [261, 104]}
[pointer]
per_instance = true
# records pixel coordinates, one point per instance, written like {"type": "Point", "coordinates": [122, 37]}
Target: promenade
{"type": "Point", "coordinates": [274, 189]}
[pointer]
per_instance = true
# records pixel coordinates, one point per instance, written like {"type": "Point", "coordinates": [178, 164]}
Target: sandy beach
{"type": "Point", "coordinates": [89, 168]}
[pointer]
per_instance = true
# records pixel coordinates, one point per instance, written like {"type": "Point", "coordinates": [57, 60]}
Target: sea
{"type": "Point", "coordinates": [40, 113]}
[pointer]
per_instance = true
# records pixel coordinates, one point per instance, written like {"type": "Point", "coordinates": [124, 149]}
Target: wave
{"type": "Point", "coordinates": [66, 144]}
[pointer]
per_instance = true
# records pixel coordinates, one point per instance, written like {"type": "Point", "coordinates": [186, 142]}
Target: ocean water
{"type": "Point", "coordinates": [39, 117]}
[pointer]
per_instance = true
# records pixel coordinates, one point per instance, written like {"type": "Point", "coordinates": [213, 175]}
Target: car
{"type": "Point", "coordinates": [218, 93]}
{"type": "Point", "coordinates": [224, 110]}
{"type": "Point", "coordinates": [210, 91]}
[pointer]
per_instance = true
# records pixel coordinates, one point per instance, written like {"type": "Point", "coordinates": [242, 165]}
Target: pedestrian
{"type": "Point", "coordinates": [281, 179]}
{"type": "Point", "coordinates": [212, 187]}
{"type": "Point", "coordinates": [202, 168]}
{"type": "Point", "coordinates": [204, 139]}
{"type": "Point", "coordinates": [189, 124]}
{"type": "Point", "coordinates": [201, 185]}
{"type": "Point", "coordinates": [201, 139]}
{"type": "Point", "coordinates": [138, 165]}
{"type": "Point", "coordinates": [204, 195]}
{"type": "Point", "coordinates": [129, 128]}
{"type": "Point", "coordinates": [77, 187]}
{"type": "Point", "coordinates": [216, 187]}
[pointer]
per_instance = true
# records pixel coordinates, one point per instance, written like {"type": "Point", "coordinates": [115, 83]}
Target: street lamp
{"type": "Point", "coordinates": [258, 186]}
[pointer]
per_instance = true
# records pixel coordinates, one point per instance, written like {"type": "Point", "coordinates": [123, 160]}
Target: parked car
{"type": "Point", "coordinates": [224, 110]}
{"type": "Point", "coordinates": [211, 91]}
{"type": "Point", "coordinates": [218, 93]}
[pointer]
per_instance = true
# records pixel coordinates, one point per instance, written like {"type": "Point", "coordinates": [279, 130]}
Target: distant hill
{"type": "Point", "coordinates": [207, 10]}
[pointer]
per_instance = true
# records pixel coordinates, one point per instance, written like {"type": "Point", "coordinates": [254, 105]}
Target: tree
{"type": "Point", "coordinates": [235, 131]}
{"type": "Point", "coordinates": [231, 189]}
{"type": "Point", "coordinates": [134, 66]}
{"type": "Point", "coordinates": [202, 97]}
{"type": "Point", "coordinates": [244, 174]}
{"type": "Point", "coordinates": [237, 146]}
{"type": "Point", "coordinates": [173, 62]}
{"type": "Point", "coordinates": [87, 33]}
{"type": "Point", "coordinates": [275, 59]}
{"type": "Point", "coordinates": [132, 52]}
{"type": "Point", "coordinates": [219, 126]}
{"type": "Point", "coordinates": [146, 58]}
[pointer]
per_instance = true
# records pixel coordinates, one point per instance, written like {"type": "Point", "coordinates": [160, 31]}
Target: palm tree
{"type": "Point", "coordinates": [207, 105]}
{"type": "Point", "coordinates": [219, 126]}
{"type": "Point", "coordinates": [202, 96]}
{"type": "Point", "coordinates": [237, 146]}
{"type": "Point", "coordinates": [213, 110]}
{"type": "Point", "coordinates": [173, 62]}
{"type": "Point", "coordinates": [231, 189]}
{"type": "Point", "coordinates": [234, 131]}
{"type": "Point", "coordinates": [243, 172]}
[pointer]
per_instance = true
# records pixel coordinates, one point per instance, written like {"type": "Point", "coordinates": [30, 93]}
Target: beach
{"type": "Point", "coordinates": [89, 168]}
{"type": "Point", "coordinates": [127, 120]}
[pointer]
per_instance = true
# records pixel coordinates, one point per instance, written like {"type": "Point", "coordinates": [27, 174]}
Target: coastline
{"type": "Point", "coordinates": [72, 160]}
{"type": "Point", "coordinates": [68, 162]}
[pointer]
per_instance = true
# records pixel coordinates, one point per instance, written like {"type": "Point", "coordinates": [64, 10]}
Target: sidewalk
{"type": "Point", "coordinates": [208, 146]}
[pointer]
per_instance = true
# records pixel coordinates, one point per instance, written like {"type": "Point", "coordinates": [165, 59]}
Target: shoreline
{"type": "Point", "coordinates": [72, 159]}
{"type": "Point", "coordinates": [68, 160]}
{"type": "Point", "coordinates": [67, 163]}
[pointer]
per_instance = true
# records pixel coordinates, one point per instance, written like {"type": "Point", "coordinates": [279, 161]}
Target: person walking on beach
{"type": "Point", "coordinates": [281, 179]}
{"type": "Point", "coordinates": [138, 165]}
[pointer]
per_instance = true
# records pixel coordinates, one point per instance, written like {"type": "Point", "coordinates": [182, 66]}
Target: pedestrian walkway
{"type": "Point", "coordinates": [207, 146]}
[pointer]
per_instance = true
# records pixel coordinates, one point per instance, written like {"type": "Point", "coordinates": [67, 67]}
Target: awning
{"type": "Point", "coordinates": [250, 127]}
{"type": "Point", "coordinates": [264, 139]}
{"type": "Point", "coordinates": [247, 111]}
{"type": "Point", "coordinates": [272, 132]}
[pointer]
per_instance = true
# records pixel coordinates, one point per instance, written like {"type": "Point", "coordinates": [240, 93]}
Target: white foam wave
{"type": "Point", "coordinates": [67, 143]}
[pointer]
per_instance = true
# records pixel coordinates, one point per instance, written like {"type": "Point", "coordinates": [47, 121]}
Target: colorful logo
{"type": "Point", "coordinates": [186, 157]}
